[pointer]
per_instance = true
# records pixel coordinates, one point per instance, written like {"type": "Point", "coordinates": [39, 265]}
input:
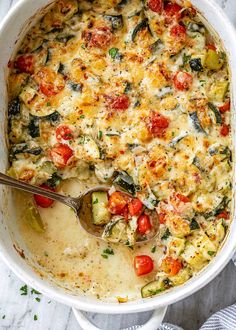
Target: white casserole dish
{"type": "Point", "coordinates": [11, 29]}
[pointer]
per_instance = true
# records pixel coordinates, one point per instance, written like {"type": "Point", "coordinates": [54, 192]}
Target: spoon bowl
{"type": "Point", "coordinates": [82, 205]}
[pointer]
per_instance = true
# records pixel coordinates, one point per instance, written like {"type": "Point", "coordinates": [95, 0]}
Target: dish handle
{"type": "Point", "coordinates": [153, 323]}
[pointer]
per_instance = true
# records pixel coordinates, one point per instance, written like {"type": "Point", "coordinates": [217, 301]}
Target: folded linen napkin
{"type": "Point", "coordinates": [222, 320]}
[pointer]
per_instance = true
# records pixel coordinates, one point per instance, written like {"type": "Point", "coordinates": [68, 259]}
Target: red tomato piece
{"type": "Point", "coordinates": [117, 202]}
{"type": "Point", "coordinates": [183, 198]}
{"type": "Point", "coordinates": [162, 218]}
{"type": "Point", "coordinates": [135, 206]}
{"type": "Point", "coordinates": [225, 107]}
{"type": "Point", "coordinates": [144, 224]}
{"type": "Point", "coordinates": [100, 37]}
{"type": "Point", "coordinates": [64, 132]}
{"type": "Point", "coordinates": [223, 215]}
{"type": "Point", "coordinates": [50, 83]}
{"type": "Point", "coordinates": [121, 102]}
{"type": "Point", "coordinates": [44, 201]}
{"type": "Point", "coordinates": [60, 154]}
{"type": "Point", "coordinates": [25, 63]}
{"type": "Point", "coordinates": [211, 46]}
{"type": "Point", "coordinates": [125, 213]}
{"type": "Point", "coordinates": [172, 11]}
{"type": "Point", "coordinates": [157, 124]}
{"type": "Point", "coordinates": [143, 265]}
{"type": "Point", "coordinates": [179, 32]}
{"type": "Point", "coordinates": [224, 130]}
{"type": "Point", "coordinates": [171, 266]}
{"type": "Point", "coordinates": [156, 5]}
{"type": "Point", "coordinates": [182, 80]}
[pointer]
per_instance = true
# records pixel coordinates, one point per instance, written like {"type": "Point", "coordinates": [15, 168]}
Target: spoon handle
{"type": "Point", "coordinates": [9, 181]}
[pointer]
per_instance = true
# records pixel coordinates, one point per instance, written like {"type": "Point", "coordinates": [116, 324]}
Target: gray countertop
{"type": "Point", "coordinates": [18, 311]}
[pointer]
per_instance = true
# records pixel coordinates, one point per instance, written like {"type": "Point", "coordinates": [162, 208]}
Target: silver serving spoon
{"type": "Point", "coordinates": [82, 205]}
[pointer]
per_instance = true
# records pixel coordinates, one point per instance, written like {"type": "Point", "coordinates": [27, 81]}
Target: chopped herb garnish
{"type": "Point", "coordinates": [33, 291]}
{"type": "Point", "coordinates": [82, 116]}
{"type": "Point", "coordinates": [99, 135]}
{"type": "Point", "coordinates": [211, 253]}
{"type": "Point", "coordinates": [24, 290]}
{"type": "Point", "coordinates": [37, 299]}
{"type": "Point", "coordinates": [96, 201]}
{"type": "Point", "coordinates": [166, 234]}
{"type": "Point", "coordinates": [3, 317]}
{"type": "Point", "coordinates": [113, 52]}
{"type": "Point", "coordinates": [105, 256]}
{"type": "Point", "coordinates": [153, 250]}
{"type": "Point", "coordinates": [128, 87]}
{"type": "Point", "coordinates": [108, 251]}
{"type": "Point", "coordinates": [35, 317]}
{"type": "Point", "coordinates": [186, 58]}
{"type": "Point", "coordinates": [48, 104]}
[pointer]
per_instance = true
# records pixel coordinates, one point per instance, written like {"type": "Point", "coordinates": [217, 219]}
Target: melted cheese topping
{"type": "Point", "coordinates": [104, 87]}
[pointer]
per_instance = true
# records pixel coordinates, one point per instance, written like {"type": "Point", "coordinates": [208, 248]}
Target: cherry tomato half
{"type": "Point", "coordinates": [121, 102]}
{"type": "Point", "coordinates": [100, 37]}
{"type": "Point", "coordinates": [25, 63]}
{"type": "Point", "coordinates": [156, 5]}
{"type": "Point", "coordinates": [172, 11]}
{"type": "Point", "coordinates": [223, 215]}
{"type": "Point", "coordinates": [144, 224]}
{"type": "Point", "coordinates": [171, 266]}
{"type": "Point", "coordinates": [179, 32]}
{"type": "Point", "coordinates": [162, 218]}
{"type": "Point", "coordinates": [117, 202]}
{"type": "Point", "coordinates": [143, 265]}
{"type": "Point", "coordinates": [44, 201]}
{"type": "Point", "coordinates": [64, 132]}
{"type": "Point", "coordinates": [60, 154]}
{"type": "Point", "coordinates": [183, 198]}
{"type": "Point", "coordinates": [224, 130]}
{"type": "Point", "coordinates": [157, 124]}
{"type": "Point", "coordinates": [182, 80]}
{"type": "Point", "coordinates": [211, 46]}
{"type": "Point", "coordinates": [225, 107]}
{"type": "Point", "coordinates": [135, 206]}
{"type": "Point", "coordinates": [50, 83]}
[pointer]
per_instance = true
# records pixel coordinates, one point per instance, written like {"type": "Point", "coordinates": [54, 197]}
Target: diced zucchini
{"type": "Point", "coordinates": [193, 257]}
{"type": "Point", "coordinates": [116, 21]}
{"type": "Point", "coordinates": [196, 122]}
{"type": "Point", "coordinates": [199, 41]}
{"type": "Point", "coordinates": [27, 95]}
{"type": "Point", "coordinates": [141, 26]}
{"type": "Point", "coordinates": [216, 112]}
{"type": "Point", "coordinates": [152, 288]}
{"type": "Point", "coordinates": [182, 277]}
{"type": "Point", "coordinates": [101, 214]}
{"type": "Point", "coordinates": [14, 108]}
{"type": "Point", "coordinates": [176, 246]}
{"type": "Point", "coordinates": [177, 139]}
{"type": "Point", "coordinates": [33, 218]}
{"type": "Point", "coordinates": [91, 148]}
{"type": "Point", "coordinates": [204, 245]}
{"type": "Point", "coordinates": [125, 181]}
{"type": "Point", "coordinates": [218, 91]}
{"type": "Point", "coordinates": [216, 232]}
{"type": "Point", "coordinates": [116, 231]}
{"type": "Point", "coordinates": [213, 61]}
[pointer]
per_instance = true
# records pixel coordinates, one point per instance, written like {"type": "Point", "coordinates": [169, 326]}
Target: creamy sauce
{"type": "Point", "coordinates": [75, 258]}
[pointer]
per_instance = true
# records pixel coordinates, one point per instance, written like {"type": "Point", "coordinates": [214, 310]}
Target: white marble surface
{"type": "Point", "coordinates": [17, 311]}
